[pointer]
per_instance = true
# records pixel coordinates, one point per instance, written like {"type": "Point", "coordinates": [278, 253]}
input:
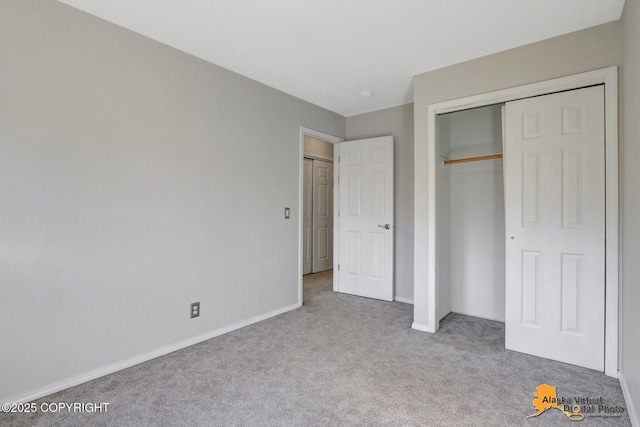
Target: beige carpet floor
{"type": "Point", "coordinates": [340, 360]}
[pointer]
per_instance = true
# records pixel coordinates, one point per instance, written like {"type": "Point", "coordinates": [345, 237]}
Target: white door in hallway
{"type": "Point", "coordinates": [554, 164]}
{"type": "Point", "coordinates": [365, 218]}
{"type": "Point", "coordinates": [307, 193]}
{"type": "Point", "coordinates": [322, 216]}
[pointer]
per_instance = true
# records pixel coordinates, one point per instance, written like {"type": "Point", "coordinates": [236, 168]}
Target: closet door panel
{"type": "Point", "coordinates": [322, 216]}
{"type": "Point", "coordinates": [531, 287]}
{"type": "Point", "coordinates": [555, 242]}
{"type": "Point", "coordinates": [307, 238]}
{"type": "Point", "coordinates": [573, 176]}
{"type": "Point", "coordinates": [530, 168]}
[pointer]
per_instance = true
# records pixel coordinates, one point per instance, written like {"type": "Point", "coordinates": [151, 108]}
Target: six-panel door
{"type": "Point", "coordinates": [555, 224]}
{"type": "Point", "coordinates": [366, 218]}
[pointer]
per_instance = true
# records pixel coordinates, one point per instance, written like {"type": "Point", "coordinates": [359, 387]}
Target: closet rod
{"type": "Point", "coordinates": [473, 159]}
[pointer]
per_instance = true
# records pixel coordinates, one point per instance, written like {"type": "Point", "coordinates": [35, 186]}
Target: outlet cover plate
{"type": "Point", "coordinates": [195, 309]}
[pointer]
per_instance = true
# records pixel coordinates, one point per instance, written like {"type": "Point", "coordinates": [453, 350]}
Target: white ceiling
{"type": "Point", "coordinates": [329, 51]}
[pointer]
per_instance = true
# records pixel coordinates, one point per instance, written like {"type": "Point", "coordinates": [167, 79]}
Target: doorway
{"type": "Point", "coordinates": [470, 215]}
{"type": "Point", "coordinates": [367, 190]}
{"type": "Point", "coordinates": [316, 149]}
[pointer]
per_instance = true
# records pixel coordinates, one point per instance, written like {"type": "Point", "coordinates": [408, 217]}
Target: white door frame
{"type": "Point", "coordinates": [333, 140]}
{"type": "Point", "coordinates": [608, 76]}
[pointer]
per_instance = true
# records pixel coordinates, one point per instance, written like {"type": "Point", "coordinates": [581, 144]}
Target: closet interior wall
{"type": "Point", "coordinates": [470, 215]}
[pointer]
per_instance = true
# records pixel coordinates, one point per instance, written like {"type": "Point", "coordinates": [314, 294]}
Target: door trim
{"type": "Point", "coordinates": [425, 245]}
{"type": "Point", "coordinates": [333, 140]}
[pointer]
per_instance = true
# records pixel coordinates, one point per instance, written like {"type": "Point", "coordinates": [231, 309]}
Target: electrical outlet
{"type": "Point", "coordinates": [195, 309]}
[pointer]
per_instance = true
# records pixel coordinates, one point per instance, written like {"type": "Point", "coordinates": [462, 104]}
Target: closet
{"type": "Point", "coordinates": [317, 212]}
{"type": "Point", "coordinates": [470, 213]}
{"type": "Point", "coordinates": [520, 221]}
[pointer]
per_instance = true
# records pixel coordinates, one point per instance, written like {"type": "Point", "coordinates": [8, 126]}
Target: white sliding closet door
{"type": "Point", "coordinates": [555, 226]}
{"type": "Point", "coordinates": [322, 216]}
{"type": "Point", "coordinates": [307, 199]}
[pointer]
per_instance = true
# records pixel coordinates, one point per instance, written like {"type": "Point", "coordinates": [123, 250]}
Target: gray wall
{"type": "Point", "coordinates": [134, 180]}
{"type": "Point", "coordinates": [630, 155]}
{"type": "Point", "coordinates": [397, 121]}
{"type": "Point", "coordinates": [577, 52]}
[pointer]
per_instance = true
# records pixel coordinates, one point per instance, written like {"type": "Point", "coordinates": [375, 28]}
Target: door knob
{"type": "Point", "coordinates": [386, 226]}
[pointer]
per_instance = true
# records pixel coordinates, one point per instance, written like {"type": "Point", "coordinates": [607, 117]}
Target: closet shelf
{"type": "Point", "coordinates": [473, 159]}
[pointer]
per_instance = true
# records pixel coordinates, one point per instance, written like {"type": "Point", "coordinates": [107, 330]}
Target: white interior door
{"type": "Point", "coordinates": [555, 226]}
{"type": "Point", "coordinates": [307, 192]}
{"type": "Point", "coordinates": [365, 218]}
{"type": "Point", "coordinates": [322, 216]}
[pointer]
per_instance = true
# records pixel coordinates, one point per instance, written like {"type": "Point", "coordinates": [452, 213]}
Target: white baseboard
{"type": "Point", "coordinates": [115, 367]}
{"type": "Point", "coordinates": [480, 314]}
{"type": "Point", "coordinates": [420, 327]}
{"type": "Point", "coordinates": [631, 409]}
{"type": "Point", "coordinates": [404, 300]}
{"type": "Point", "coordinates": [446, 313]}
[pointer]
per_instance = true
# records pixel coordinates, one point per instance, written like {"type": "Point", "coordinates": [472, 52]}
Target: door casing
{"type": "Point", "coordinates": [425, 287]}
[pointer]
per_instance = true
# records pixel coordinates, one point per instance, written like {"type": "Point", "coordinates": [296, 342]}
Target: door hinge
{"type": "Point", "coordinates": [338, 267]}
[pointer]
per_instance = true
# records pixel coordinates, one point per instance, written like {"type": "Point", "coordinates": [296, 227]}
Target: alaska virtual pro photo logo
{"type": "Point", "coordinates": [575, 407]}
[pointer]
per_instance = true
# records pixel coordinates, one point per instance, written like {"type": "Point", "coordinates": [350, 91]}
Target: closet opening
{"type": "Point", "coordinates": [470, 217]}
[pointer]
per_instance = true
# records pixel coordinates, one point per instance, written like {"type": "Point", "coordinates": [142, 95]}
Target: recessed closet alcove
{"type": "Point", "coordinates": [557, 223]}
{"type": "Point", "coordinates": [470, 214]}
